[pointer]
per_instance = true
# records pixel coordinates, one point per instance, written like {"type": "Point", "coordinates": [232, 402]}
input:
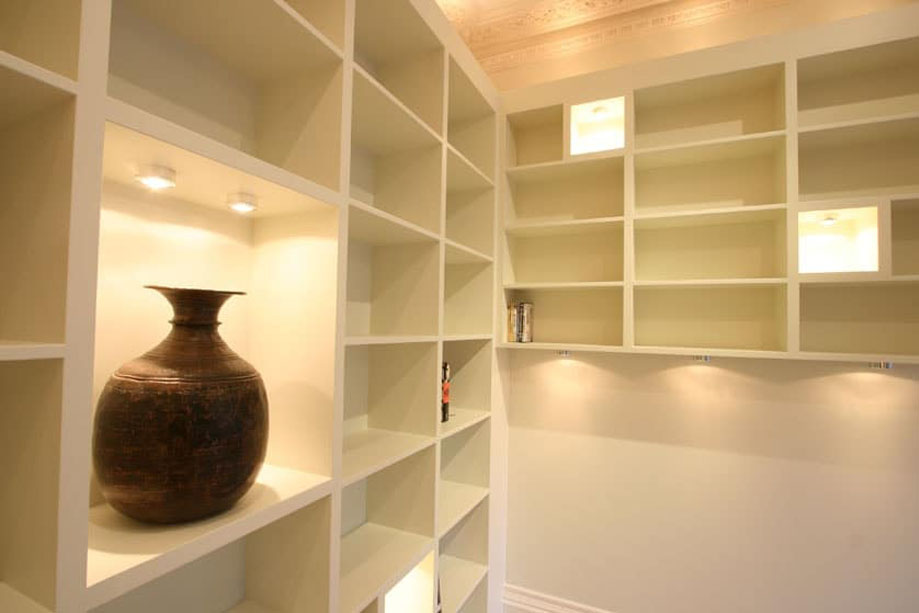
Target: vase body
{"type": "Point", "coordinates": [181, 432]}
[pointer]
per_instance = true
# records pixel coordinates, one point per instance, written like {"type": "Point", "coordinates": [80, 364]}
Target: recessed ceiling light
{"type": "Point", "coordinates": [156, 177]}
{"type": "Point", "coordinates": [242, 203]}
{"type": "Point", "coordinates": [829, 220]}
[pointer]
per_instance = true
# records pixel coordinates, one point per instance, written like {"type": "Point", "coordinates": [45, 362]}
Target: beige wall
{"type": "Point", "coordinates": [659, 484]}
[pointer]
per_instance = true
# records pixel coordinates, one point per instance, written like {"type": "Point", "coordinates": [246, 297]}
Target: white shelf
{"type": "Point", "coordinates": [702, 283]}
{"type": "Point", "coordinates": [708, 216]}
{"type": "Point", "coordinates": [455, 501]}
{"type": "Point", "coordinates": [375, 227]}
{"type": "Point", "coordinates": [15, 351]}
{"type": "Point", "coordinates": [461, 254]}
{"type": "Point", "coordinates": [30, 87]}
{"type": "Point", "coordinates": [555, 228]}
{"type": "Point", "coordinates": [463, 175]}
{"type": "Point", "coordinates": [586, 347]}
{"type": "Point", "coordinates": [535, 136]}
{"type": "Point", "coordinates": [374, 557]}
{"type": "Point", "coordinates": [124, 554]}
{"type": "Point", "coordinates": [14, 602]}
{"type": "Point", "coordinates": [471, 121]}
{"type": "Point", "coordinates": [712, 148]}
{"type": "Point", "coordinates": [573, 285]}
{"type": "Point", "coordinates": [371, 450]}
{"type": "Point", "coordinates": [356, 341]}
{"type": "Point", "coordinates": [250, 606]}
{"type": "Point", "coordinates": [459, 578]}
{"type": "Point", "coordinates": [460, 419]}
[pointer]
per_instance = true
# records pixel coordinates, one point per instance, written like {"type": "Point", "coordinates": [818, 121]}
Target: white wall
{"type": "Point", "coordinates": [656, 484]}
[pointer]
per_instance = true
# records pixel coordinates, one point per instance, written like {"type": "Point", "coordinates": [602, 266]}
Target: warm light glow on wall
{"type": "Point", "coordinates": [415, 591]}
{"type": "Point", "coordinates": [598, 126]}
{"type": "Point", "coordinates": [838, 240]}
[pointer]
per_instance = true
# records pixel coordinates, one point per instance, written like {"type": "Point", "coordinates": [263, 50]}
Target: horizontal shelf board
{"type": "Point", "coordinates": [373, 226]}
{"type": "Point", "coordinates": [805, 128]}
{"type": "Point", "coordinates": [460, 419]}
{"type": "Point", "coordinates": [381, 123]}
{"type": "Point", "coordinates": [124, 554]}
{"type": "Point", "coordinates": [35, 72]}
{"type": "Point", "coordinates": [250, 606]}
{"type": "Point", "coordinates": [462, 174]}
{"type": "Point", "coordinates": [459, 578]}
{"type": "Point", "coordinates": [168, 137]}
{"type": "Point", "coordinates": [374, 557]}
{"type": "Point", "coordinates": [352, 341]}
{"type": "Point", "coordinates": [565, 169]}
{"type": "Point", "coordinates": [12, 351]}
{"type": "Point", "coordinates": [455, 501]}
{"type": "Point", "coordinates": [461, 338]}
{"type": "Point", "coordinates": [561, 286]}
{"type": "Point", "coordinates": [710, 150]}
{"type": "Point", "coordinates": [564, 347]}
{"type": "Point", "coordinates": [856, 279]}
{"type": "Point", "coordinates": [708, 216]}
{"type": "Point", "coordinates": [710, 282]}
{"type": "Point", "coordinates": [461, 254]}
{"type": "Point", "coordinates": [568, 226]}
{"type": "Point", "coordinates": [26, 89]}
{"type": "Point", "coordinates": [899, 192]}
{"type": "Point", "coordinates": [860, 133]}
{"type": "Point", "coordinates": [14, 602]}
{"type": "Point", "coordinates": [369, 451]}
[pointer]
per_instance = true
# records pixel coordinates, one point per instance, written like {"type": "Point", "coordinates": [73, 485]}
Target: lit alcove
{"type": "Point", "coordinates": [838, 240]}
{"type": "Point", "coordinates": [414, 593]}
{"type": "Point", "coordinates": [598, 126]}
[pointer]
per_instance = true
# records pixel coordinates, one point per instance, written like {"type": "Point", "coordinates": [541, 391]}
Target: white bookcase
{"type": "Point", "coordinates": [369, 137]}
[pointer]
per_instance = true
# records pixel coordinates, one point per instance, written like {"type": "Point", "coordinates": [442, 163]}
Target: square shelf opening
{"type": "Point", "coordinates": [393, 287]}
{"type": "Point", "coordinates": [588, 189]}
{"type": "Point", "coordinates": [743, 317]}
{"type": "Point", "coordinates": [838, 240]}
{"type": "Point", "coordinates": [722, 246]}
{"type": "Point", "coordinates": [470, 386]}
{"type": "Point", "coordinates": [598, 126]}
{"type": "Point", "coordinates": [471, 122]}
{"type": "Point", "coordinates": [535, 136]}
{"type": "Point", "coordinates": [744, 173]}
{"type": "Point", "coordinates": [478, 601]}
{"type": "Point", "coordinates": [396, 163]}
{"type": "Point", "coordinates": [857, 84]}
{"type": "Point", "coordinates": [414, 593]}
{"type": "Point", "coordinates": [567, 255]}
{"type": "Point", "coordinates": [283, 567]}
{"type": "Point", "coordinates": [864, 318]}
{"type": "Point", "coordinates": [464, 559]}
{"type": "Point", "coordinates": [390, 404]}
{"type": "Point", "coordinates": [468, 287]}
{"type": "Point", "coordinates": [576, 316]}
{"type": "Point", "coordinates": [387, 528]}
{"type": "Point", "coordinates": [720, 106]}
{"type": "Point", "coordinates": [872, 159]}
{"type": "Point", "coordinates": [30, 425]}
{"type": "Point", "coordinates": [43, 32]}
{"type": "Point", "coordinates": [464, 478]}
{"type": "Point", "coordinates": [327, 16]}
{"type": "Point", "coordinates": [261, 82]}
{"type": "Point", "coordinates": [36, 144]}
{"type": "Point", "coordinates": [394, 44]}
{"type": "Point", "coordinates": [470, 206]}
{"type": "Point", "coordinates": [905, 229]}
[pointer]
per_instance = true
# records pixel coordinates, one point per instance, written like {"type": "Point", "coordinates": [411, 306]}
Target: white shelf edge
{"type": "Point", "coordinates": [394, 219]}
{"type": "Point", "coordinates": [853, 123]}
{"type": "Point", "coordinates": [139, 120]}
{"type": "Point", "coordinates": [481, 572]}
{"type": "Point", "coordinates": [555, 346]}
{"type": "Point", "coordinates": [726, 140]}
{"type": "Point", "coordinates": [309, 27]}
{"type": "Point", "coordinates": [563, 163]}
{"type": "Point", "coordinates": [465, 160]}
{"type": "Point", "coordinates": [395, 100]}
{"type": "Point", "coordinates": [572, 224]}
{"type": "Point", "coordinates": [33, 71]}
{"type": "Point", "coordinates": [423, 442]}
{"type": "Point", "coordinates": [456, 338]}
{"type": "Point", "coordinates": [359, 341]}
{"type": "Point", "coordinates": [707, 212]}
{"type": "Point", "coordinates": [701, 283]}
{"type": "Point", "coordinates": [445, 434]}
{"type": "Point", "coordinates": [15, 351]}
{"type": "Point", "coordinates": [485, 259]}
{"type": "Point", "coordinates": [14, 601]}
{"type": "Point", "coordinates": [564, 285]}
{"type": "Point", "coordinates": [468, 507]}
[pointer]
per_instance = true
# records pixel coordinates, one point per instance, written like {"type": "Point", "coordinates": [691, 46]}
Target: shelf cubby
{"type": "Point", "coordinates": [394, 45]}
{"type": "Point", "coordinates": [720, 106]}
{"type": "Point", "coordinates": [839, 240]}
{"type": "Point", "coordinates": [284, 256]}
{"type": "Point", "coordinates": [905, 236]}
{"type": "Point", "coordinates": [262, 82]}
{"type": "Point", "coordinates": [468, 285]}
{"type": "Point", "coordinates": [589, 316]}
{"type": "Point", "coordinates": [535, 136]}
{"type": "Point", "coordinates": [565, 254]}
{"type": "Point", "coordinates": [875, 318]}
{"type": "Point", "coordinates": [390, 405]}
{"type": "Point", "coordinates": [743, 245]}
{"type": "Point", "coordinates": [464, 466]}
{"type": "Point", "coordinates": [746, 172]}
{"type": "Point", "coordinates": [470, 388]}
{"type": "Point", "coordinates": [470, 205]}
{"type": "Point", "coordinates": [42, 32]}
{"type": "Point", "coordinates": [395, 160]}
{"type": "Point", "coordinates": [415, 592]}
{"type": "Point", "coordinates": [860, 84]}
{"type": "Point", "coordinates": [393, 278]}
{"type": "Point", "coordinates": [477, 601]}
{"type": "Point", "coordinates": [581, 190]}
{"type": "Point", "coordinates": [861, 160]}
{"type": "Point", "coordinates": [597, 126]}
{"type": "Point", "coordinates": [749, 317]}
{"type": "Point", "coordinates": [464, 559]}
{"type": "Point", "coordinates": [282, 567]}
{"type": "Point", "coordinates": [36, 142]}
{"type": "Point", "coordinates": [471, 122]}
{"type": "Point", "coordinates": [327, 16]}
{"type": "Point", "coordinates": [30, 442]}
{"type": "Point", "coordinates": [387, 529]}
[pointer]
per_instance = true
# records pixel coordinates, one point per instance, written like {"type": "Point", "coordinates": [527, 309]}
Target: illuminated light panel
{"type": "Point", "coordinates": [415, 591]}
{"type": "Point", "coordinates": [156, 177]}
{"type": "Point", "coordinates": [598, 126]}
{"type": "Point", "coordinates": [242, 203]}
{"type": "Point", "coordinates": [838, 240]}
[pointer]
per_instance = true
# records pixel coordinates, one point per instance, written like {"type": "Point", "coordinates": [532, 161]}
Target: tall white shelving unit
{"type": "Point", "coordinates": [369, 136]}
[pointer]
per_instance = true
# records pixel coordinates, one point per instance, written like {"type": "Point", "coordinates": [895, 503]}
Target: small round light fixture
{"type": "Point", "coordinates": [829, 220]}
{"type": "Point", "coordinates": [156, 177]}
{"type": "Point", "coordinates": [242, 203]}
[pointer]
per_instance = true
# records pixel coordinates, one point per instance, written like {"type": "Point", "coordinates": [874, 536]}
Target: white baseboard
{"type": "Point", "coordinates": [521, 600]}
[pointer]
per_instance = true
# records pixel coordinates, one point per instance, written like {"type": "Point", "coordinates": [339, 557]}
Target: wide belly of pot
{"type": "Point", "coordinates": [169, 451]}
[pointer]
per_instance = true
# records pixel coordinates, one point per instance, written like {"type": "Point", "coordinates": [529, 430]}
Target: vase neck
{"type": "Point", "coordinates": [194, 307]}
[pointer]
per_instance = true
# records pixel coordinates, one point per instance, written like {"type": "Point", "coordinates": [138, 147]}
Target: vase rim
{"type": "Point", "coordinates": [214, 292]}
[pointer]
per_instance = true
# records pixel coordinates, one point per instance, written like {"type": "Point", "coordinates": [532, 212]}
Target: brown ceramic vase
{"type": "Point", "coordinates": [180, 432]}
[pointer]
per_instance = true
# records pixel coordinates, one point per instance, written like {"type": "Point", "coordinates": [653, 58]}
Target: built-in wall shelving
{"type": "Point", "coordinates": [687, 240]}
